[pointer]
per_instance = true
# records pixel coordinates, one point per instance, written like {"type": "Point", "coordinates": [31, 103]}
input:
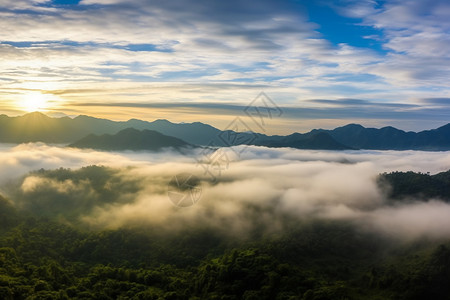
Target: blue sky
{"type": "Point", "coordinates": [326, 63]}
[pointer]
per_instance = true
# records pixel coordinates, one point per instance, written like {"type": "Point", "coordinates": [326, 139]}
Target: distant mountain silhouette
{"type": "Point", "coordinates": [195, 133]}
{"type": "Point", "coordinates": [315, 141]}
{"type": "Point", "coordinates": [35, 127]}
{"type": "Point", "coordinates": [130, 139]}
{"type": "Point", "coordinates": [390, 138]}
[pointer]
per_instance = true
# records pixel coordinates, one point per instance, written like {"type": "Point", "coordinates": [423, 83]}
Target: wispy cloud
{"type": "Point", "coordinates": [185, 51]}
{"type": "Point", "coordinates": [370, 113]}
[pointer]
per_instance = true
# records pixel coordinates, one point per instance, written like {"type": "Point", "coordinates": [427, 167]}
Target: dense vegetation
{"type": "Point", "coordinates": [404, 185]}
{"type": "Point", "coordinates": [42, 257]}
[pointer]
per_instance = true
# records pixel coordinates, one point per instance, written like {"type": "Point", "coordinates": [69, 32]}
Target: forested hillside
{"type": "Point", "coordinates": [403, 185]}
{"type": "Point", "coordinates": [47, 257]}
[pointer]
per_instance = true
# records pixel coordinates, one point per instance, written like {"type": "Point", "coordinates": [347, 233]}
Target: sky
{"type": "Point", "coordinates": [324, 63]}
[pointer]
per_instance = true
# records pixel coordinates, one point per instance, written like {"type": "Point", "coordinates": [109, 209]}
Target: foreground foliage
{"type": "Point", "coordinates": [42, 258]}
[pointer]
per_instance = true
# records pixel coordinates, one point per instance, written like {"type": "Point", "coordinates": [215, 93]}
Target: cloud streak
{"type": "Point", "coordinates": [188, 51]}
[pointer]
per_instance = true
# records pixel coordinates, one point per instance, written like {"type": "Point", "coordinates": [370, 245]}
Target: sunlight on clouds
{"type": "Point", "coordinates": [265, 184]}
{"type": "Point", "coordinates": [216, 51]}
{"type": "Point", "coordinates": [34, 101]}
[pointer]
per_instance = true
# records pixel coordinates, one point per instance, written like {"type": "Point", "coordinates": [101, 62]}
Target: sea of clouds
{"type": "Point", "coordinates": [258, 187]}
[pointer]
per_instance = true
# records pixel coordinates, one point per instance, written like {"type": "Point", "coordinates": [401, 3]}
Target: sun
{"type": "Point", "coordinates": [34, 101]}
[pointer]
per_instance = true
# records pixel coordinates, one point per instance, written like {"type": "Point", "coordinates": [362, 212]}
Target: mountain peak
{"type": "Point", "coordinates": [85, 117]}
{"type": "Point", "coordinates": [162, 121]}
{"type": "Point", "coordinates": [134, 120]}
{"type": "Point", "coordinates": [129, 130]}
{"type": "Point", "coordinates": [391, 129]}
{"type": "Point", "coordinates": [35, 114]}
{"type": "Point", "coordinates": [130, 139]}
{"type": "Point", "coordinates": [353, 126]}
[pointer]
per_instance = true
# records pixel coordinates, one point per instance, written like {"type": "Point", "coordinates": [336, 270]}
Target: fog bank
{"type": "Point", "coordinates": [261, 187]}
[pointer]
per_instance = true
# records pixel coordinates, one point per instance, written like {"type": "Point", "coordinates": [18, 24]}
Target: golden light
{"type": "Point", "coordinates": [34, 101]}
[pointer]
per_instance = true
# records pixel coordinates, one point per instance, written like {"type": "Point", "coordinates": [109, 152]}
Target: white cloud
{"type": "Point", "coordinates": [269, 46]}
{"type": "Point", "coordinates": [415, 32]}
{"type": "Point", "coordinates": [414, 220]}
{"type": "Point", "coordinates": [264, 187]}
{"type": "Point", "coordinates": [22, 4]}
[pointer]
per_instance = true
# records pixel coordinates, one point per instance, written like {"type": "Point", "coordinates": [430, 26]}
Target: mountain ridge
{"type": "Point", "coordinates": [130, 139]}
{"type": "Point", "coordinates": [38, 127]}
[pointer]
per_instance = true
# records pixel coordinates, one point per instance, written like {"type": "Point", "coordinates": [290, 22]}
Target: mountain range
{"type": "Point", "coordinates": [131, 139]}
{"type": "Point", "coordinates": [85, 131]}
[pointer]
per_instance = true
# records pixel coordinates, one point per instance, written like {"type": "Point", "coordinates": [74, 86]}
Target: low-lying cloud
{"type": "Point", "coordinates": [260, 189]}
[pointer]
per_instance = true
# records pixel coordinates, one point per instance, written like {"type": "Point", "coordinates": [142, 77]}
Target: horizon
{"type": "Point", "coordinates": [260, 132]}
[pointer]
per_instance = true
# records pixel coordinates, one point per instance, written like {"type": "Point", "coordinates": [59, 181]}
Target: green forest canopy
{"type": "Point", "coordinates": [44, 258]}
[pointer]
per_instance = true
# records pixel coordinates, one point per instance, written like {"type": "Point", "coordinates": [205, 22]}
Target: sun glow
{"type": "Point", "coordinates": [34, 101]}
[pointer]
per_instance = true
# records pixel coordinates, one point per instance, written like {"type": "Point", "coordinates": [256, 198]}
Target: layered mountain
{"type": "Point", "coordinates": [130, 139]}
{"type": "Point", "coordinates": [390, 138]}
{"type": "Point", "coordinates": [35, 127]}
{"type": "Point", "coordinates": [313, 140]}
